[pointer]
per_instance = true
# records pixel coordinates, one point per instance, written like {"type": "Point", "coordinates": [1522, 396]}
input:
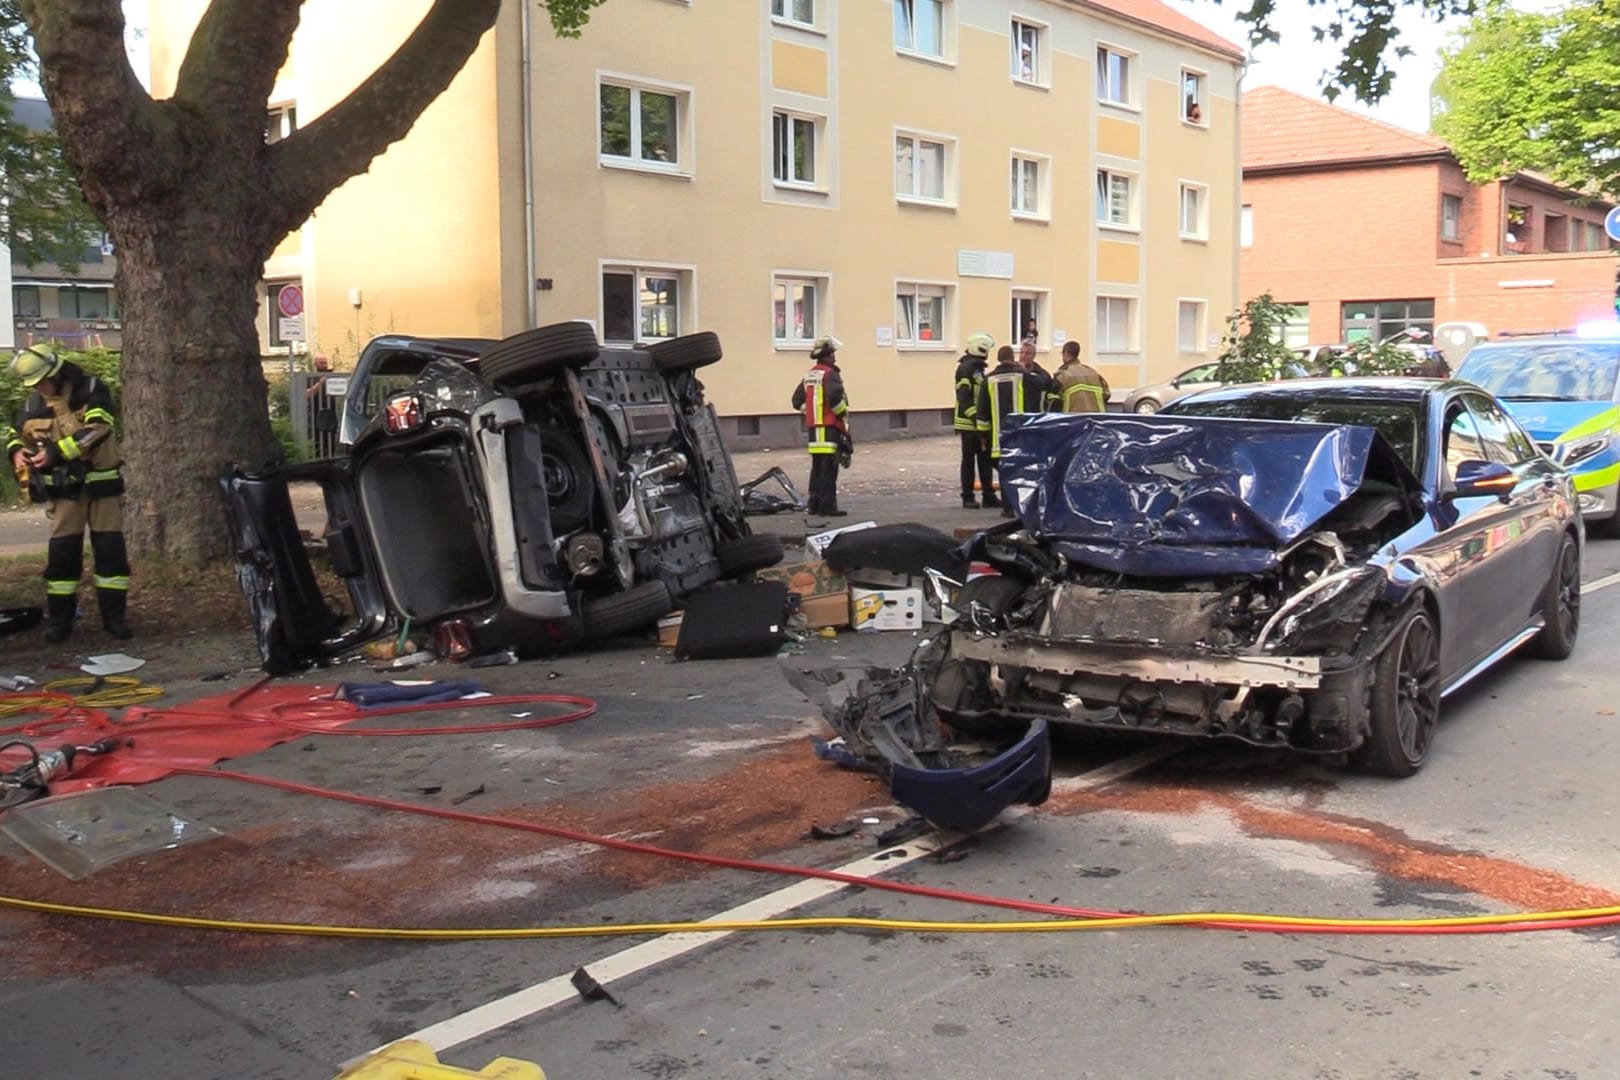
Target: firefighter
{"type": "Point", "coordinates": [1077, 386]}
{"type": "Point", "coordinates": [1013, 386]}
{"type": "Point", "coordinates": [66, 436]}
{"type": "Point", "coordinates": [971, 424]}
{"type": "Point", "coordinates": [821, 400]}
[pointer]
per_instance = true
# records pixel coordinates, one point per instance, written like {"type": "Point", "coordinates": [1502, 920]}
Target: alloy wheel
{"type": "Point", "coordinates": [1417, 686]}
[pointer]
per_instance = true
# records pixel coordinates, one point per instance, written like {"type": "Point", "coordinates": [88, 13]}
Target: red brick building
{"type": "Point", "coordinates": [1367, 228]}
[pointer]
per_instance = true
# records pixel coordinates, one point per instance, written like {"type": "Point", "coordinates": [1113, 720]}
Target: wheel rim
{"type": "Point", "coordinates": [1568, 613]}
{"type": "Point", "coordinates": [1146, 407]}
{"type": "Point", "coordinates": [559, 477]}
{"type": "Point", "coordinates": [1417, 687]}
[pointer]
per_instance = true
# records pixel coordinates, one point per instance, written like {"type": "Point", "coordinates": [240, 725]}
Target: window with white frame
{"type": "Point", "coordinates": [1194, 212]}
{"type": "Point", "coordinates": [920, 314]}
{"type": "Point", "coordinates": [1116, 199]}
{"type": "Point", "coordinates": [642, 304]}
{"type": "Point", "coordinates": [1114, 76]}
{"type": "Point", "coordinates": [1028, 315]}
{"type": "Point", "coordinates": [1116, 324]}
{"type": "Point", "coordinates": [1192, 96]}
{"type": "Point", "coordinates": [800, 12]}
{"type": "Point", "coordinates": [280, 122]}
{"type": "Point", "coordinates": [794, 146]}
{"type": "Point", "coordinates": [797, 302]}
{"type": "Point", "coordinates": [1246, 227]}
{"type": "Point", "coordinates": [1030, 183]}
{"type": "Point", "coordinates": [643, 125]}
{"type": "Point", "coordinates": [922, 167]}
{"type": "Point", "coordinates": [1029, 52]}
{"type": "Point", "coordinates": [919, 26]}
{"type": "Point", "coordinates": [1190, 326]}
{"type": "Point", "coordinates": [1450, 217]}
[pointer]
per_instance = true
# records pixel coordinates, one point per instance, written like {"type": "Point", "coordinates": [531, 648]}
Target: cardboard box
{"type": "Point", "coordinates": [885, 609]}
{"type": "Point", "coordinates": [824, 611]}
{"type": "Point", "coordinates": [823, 593]}
{"type": "Point", "coordinates": [817, 544]}
{"type": "Point", "coordinates": [882, 579]}
{"type": "Point", "coordinates": [669, 629]}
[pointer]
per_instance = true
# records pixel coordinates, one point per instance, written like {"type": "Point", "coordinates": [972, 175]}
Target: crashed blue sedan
{"type": "Point", "coordinates": [1311, 565]}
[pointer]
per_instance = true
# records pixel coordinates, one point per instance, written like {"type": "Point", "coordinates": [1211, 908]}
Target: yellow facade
{"type": "Point", "coordinates": [903, 262]}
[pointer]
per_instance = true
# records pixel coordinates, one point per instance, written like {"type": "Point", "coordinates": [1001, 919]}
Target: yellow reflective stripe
{"type": "Point", "coordinates": [101, 474]}
{"type": "Point", "coordinates": [1090, 388]}
{"type": "Point", "coordinates": [99, 415]}
{"type": "Point", "coordinates": [1603, 421]}
{"type": "Point", "coordinates": [1597, 478]}
{"type": "Point", "coordinates": [119, 583]}
{"type": "Point", "coordinates": [69, 448]}
{"type": "Point", "coordinates": [61, 588]}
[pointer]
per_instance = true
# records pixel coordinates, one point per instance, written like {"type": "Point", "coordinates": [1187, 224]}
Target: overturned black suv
{"type": "Point", "coordinates": [531, 493]}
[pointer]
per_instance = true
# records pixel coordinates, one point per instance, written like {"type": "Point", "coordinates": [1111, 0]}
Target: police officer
{"type": "Point", "coordinates": [972, 425]}
{"type": "Point", "coordinates": [1077, 386]}
{"type": "Point", "coordinates": [1015, 385]}
{"type": "Point", "coordinates": [66, 436]}
{"type": "Point", "coordinates": [821, 400]}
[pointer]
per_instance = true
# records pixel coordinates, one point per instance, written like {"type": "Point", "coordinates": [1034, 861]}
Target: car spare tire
{"type": "Point", "coordinates": [569, 482]}
{"type": "Point", "coordinates": [686, 353]}
{"type": "Point", "coordinates": [620, 613]}
{"type": "Point", "coordinates": [749, 553]}
{"type": "Point", "coordinates": [539, 353]}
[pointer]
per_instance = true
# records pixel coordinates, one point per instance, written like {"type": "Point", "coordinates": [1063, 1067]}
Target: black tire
{"type": "Point", "coordinates": [1146, 407]}
{"type": "Point", "coordinates": [1404, 707]}
{"type": "Point", "coordinates": [749, 553]}
{"type": "Point", "coordinates": [1561, 605]}
{"type": "Point", "coordinates": [623, 612]}
{"type": "Point", "coordinates": [570, 484]}
{"type": "Point", "coordinates": [985, 601]}
{"type": "Point", "coordinates": [539, 354]}
{"type": "Point", "coordinates": [686, 353]}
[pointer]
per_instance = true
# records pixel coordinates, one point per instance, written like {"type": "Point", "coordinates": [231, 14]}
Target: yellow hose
{"type": "Point", "coordinates": [1125, 922]}
{"type": "Point", "coordinates": [106, 691]}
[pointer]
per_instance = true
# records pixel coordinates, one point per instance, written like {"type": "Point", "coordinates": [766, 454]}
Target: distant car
{"type": "Point", "coordinates": [1565, 390]}
{"type": "Point", "coordinates": [1149, 399]}
{"type": "Point", "coordinates": [531, 494]}
{"type": "Point", "coordinates": [1308, 565]}
{"type": "Point", "coordinates": [1319, 359]}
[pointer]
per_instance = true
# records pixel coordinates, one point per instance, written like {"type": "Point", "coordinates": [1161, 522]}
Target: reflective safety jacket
{"type": "Point", "coordinates": [821, 401]}
{"type": "Point", "coordinates": [969, 385]}
{"type": "Point", "coordinates": [77, 430]}
{"type": "Point", "coordinates": [1077, 387]}
{"type": "Point", "coordinates": [1011, 389]}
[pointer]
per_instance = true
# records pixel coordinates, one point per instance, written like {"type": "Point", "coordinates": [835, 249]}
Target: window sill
{"type": "Point", "coordinates": [1114, 226]}
{"type": "Point", "coordinates": [802, 189]}
{"type": "Point", "coordinates": [790, 24]}
{"type": "Point", "coordinates": [908, 346]}
{"type": "Point", "coordinates": [791, 346]}
{"type": "Point", "coordinates": [927, 58]}
{"type": "Point", "coordinates": [1122, 106]}
{"type": "Point", "coordinates": [627, 165]}
{"type": "Point", "coordinates": [1033, 84]}
{"type": "Point", "coordinates": [932, 204]}
{"type": "Point", "coordinates": [1201, 125]}
{"type": "Point", "coordinates": [1194, 238]}
{"type": "Point", "coordinates": [1037, 219]}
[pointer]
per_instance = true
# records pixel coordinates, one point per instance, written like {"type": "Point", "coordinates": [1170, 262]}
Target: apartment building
{"type": "Point", "coordinates": [898, 173]}
{"type": "Point", "coordinates": [1366, 229]}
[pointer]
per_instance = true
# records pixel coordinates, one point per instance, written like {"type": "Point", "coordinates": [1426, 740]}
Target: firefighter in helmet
{"type": "Point", "coordinates": [971, 423]}
{"type": "Point", "coordinates": [66, 443]}
{"type": "Point", "coordinates": [1016, 385]}
{"type": "Point", "coordinates": [821, 401]}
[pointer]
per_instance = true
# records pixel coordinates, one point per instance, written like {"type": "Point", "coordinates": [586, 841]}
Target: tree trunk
{"type": "Point", "coordinates": [194, 393]}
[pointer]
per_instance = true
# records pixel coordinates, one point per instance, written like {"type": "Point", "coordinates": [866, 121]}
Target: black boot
{"type": "Point", "coordinates": [969, 503]}
{"type": "Point", "coordinates": [991, 502]}
{"type": "Point", "coordinates": [59, 612]}
{"type": "Point", "coordinates": [112, 602]}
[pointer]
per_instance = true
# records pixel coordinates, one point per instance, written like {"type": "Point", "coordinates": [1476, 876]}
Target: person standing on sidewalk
{"type": "Point", "coordinates": [1016, 385]}
{"type": "Point", "coordinates": [821, 400]}
{"type": "Point", "coordinates": [1077, 386]}
{"type": "Point", "coordinates": [66, 436]}
{"type": "Point", "coordinates": [973, 425]}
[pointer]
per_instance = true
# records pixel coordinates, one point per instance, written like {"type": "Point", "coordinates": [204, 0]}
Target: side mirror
{"type": "Point", "coordinates": [1176, 382]}
{"type": "Point", "coordinates": [1483, 478]}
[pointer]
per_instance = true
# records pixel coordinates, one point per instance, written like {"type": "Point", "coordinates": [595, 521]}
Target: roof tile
{"type": "Point", "coordinates": [1281, 127]}
{"type": "Point", "coordinates": [1161, 15]}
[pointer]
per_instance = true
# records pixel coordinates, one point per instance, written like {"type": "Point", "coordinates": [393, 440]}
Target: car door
{"type": "Point", "coordinates": [1534, 535]}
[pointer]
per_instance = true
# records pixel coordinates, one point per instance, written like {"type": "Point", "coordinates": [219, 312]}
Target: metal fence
{"type": "Point", "coordinates": [315, 405]}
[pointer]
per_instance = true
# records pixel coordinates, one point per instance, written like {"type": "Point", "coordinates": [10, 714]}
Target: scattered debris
{"type": "Point", "coordinates": [16, 620]}
{"type": "Point", "coordinates": [768, 502]}
{"type": "Point", "coordinates": [831, 832]}
{"type": "Point", "coordinates": [431, 789]}
{"type": "Point", "coordinates": [591, 990]}
{"type": "Point", "coordinates": [111, 664]}
{"type": "Point", "coordinates": [909, 829]}
{"type": "Point", "coordinates": [494, 659]}
{"type": "Point", "coordinates": [474, 793]}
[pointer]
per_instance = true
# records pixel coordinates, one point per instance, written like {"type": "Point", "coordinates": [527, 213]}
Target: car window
{"type": "Point", "coordinates": [1572, 370]}
{"type": "Point", "coordinates": [1201, 373]}
{"type": "Point", "coordinates": [1461, 441]}
{"type": "Point", "coordinates": [1502, 438]}
{"type": "Point", "coordinates": [1397, 421]}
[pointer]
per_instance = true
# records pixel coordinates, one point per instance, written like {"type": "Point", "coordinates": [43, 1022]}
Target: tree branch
{"type": "Point", "coordinates": [235, 52]}
{"type": "Point", "coordinates": [107, 122]}
{"type": "Point", "coordinates": [343, 142]}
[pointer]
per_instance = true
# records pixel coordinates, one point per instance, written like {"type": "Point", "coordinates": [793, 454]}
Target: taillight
{"type": "Point", "coordinates": [402, 412]}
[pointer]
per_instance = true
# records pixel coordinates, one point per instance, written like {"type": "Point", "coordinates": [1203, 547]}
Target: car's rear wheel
{"type": "Point", "coordinates": [748, 553]}
{"type": "Point", "coordinates": [687, 352]}
{"type": "Point", "coordinates": [539, 353]}
{"type": "Point", "coordinates": [1147, 407]}
{"type": "Point", "coordinates": [569, 484]}
{"type": "Point", "coordinates": [620, 613]}
{"type": "Point", "coordinates": [1561, 605]}
{"type": "Point", "coordinates": [1405, 705]}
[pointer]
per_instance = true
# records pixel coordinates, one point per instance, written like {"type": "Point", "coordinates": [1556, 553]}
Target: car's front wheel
{"type": "Point", "coordinates": [749, 553]}
{"type": "Point", "coordinates": [1561, 605]}
{"type": "Point", "coordinates": [1147, 407]}
{"type": "Point", "coordinates": [539, 353]}
{"type": "Point", "coordinates": [632, 609]}
{"type": "Point", "coordinates": [1405, 705]}
{"type": "Point", "coordinates": [687, 352]}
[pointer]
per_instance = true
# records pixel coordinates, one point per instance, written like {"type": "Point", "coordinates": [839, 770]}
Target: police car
{"type": "Point", "coordinates": [1562, 389]}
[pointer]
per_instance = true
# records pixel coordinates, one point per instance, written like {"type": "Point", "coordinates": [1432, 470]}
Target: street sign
{"type": "Point", "coordinates": [290, 299]}
{"type": "Point", "coordinates": [292, 329]}
{"type": "Point", "coordinates": [1611, 223]}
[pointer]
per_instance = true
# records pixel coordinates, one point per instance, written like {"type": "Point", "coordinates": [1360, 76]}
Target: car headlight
{"type": "Point", "coordinates": [1579, 450]}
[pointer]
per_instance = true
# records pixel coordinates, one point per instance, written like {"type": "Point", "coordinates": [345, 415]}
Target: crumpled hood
{"type": "Point", "coordinates": [1547, 420]}
{"type": "Point", "coordinates": [1184, 495]}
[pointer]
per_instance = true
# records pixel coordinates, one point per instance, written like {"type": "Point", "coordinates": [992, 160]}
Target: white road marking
{"type": "Point", "coordinates": [1601, 583]}
{"type": "Point", "coordinates": [522, 1004]}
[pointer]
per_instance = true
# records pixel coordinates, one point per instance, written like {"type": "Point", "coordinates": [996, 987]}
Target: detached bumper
{"type": "Point", "coordinates": [966, 799]}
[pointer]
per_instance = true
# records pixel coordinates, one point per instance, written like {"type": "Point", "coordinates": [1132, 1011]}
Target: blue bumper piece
{"type": "Point", "coordinates": [969, 799]}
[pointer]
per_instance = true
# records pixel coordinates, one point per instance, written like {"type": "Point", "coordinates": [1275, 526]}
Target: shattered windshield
{"type": "Point", "coordinates": [1546, 370]}
{"type": "Point", "coordinates": [1399, 422]}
